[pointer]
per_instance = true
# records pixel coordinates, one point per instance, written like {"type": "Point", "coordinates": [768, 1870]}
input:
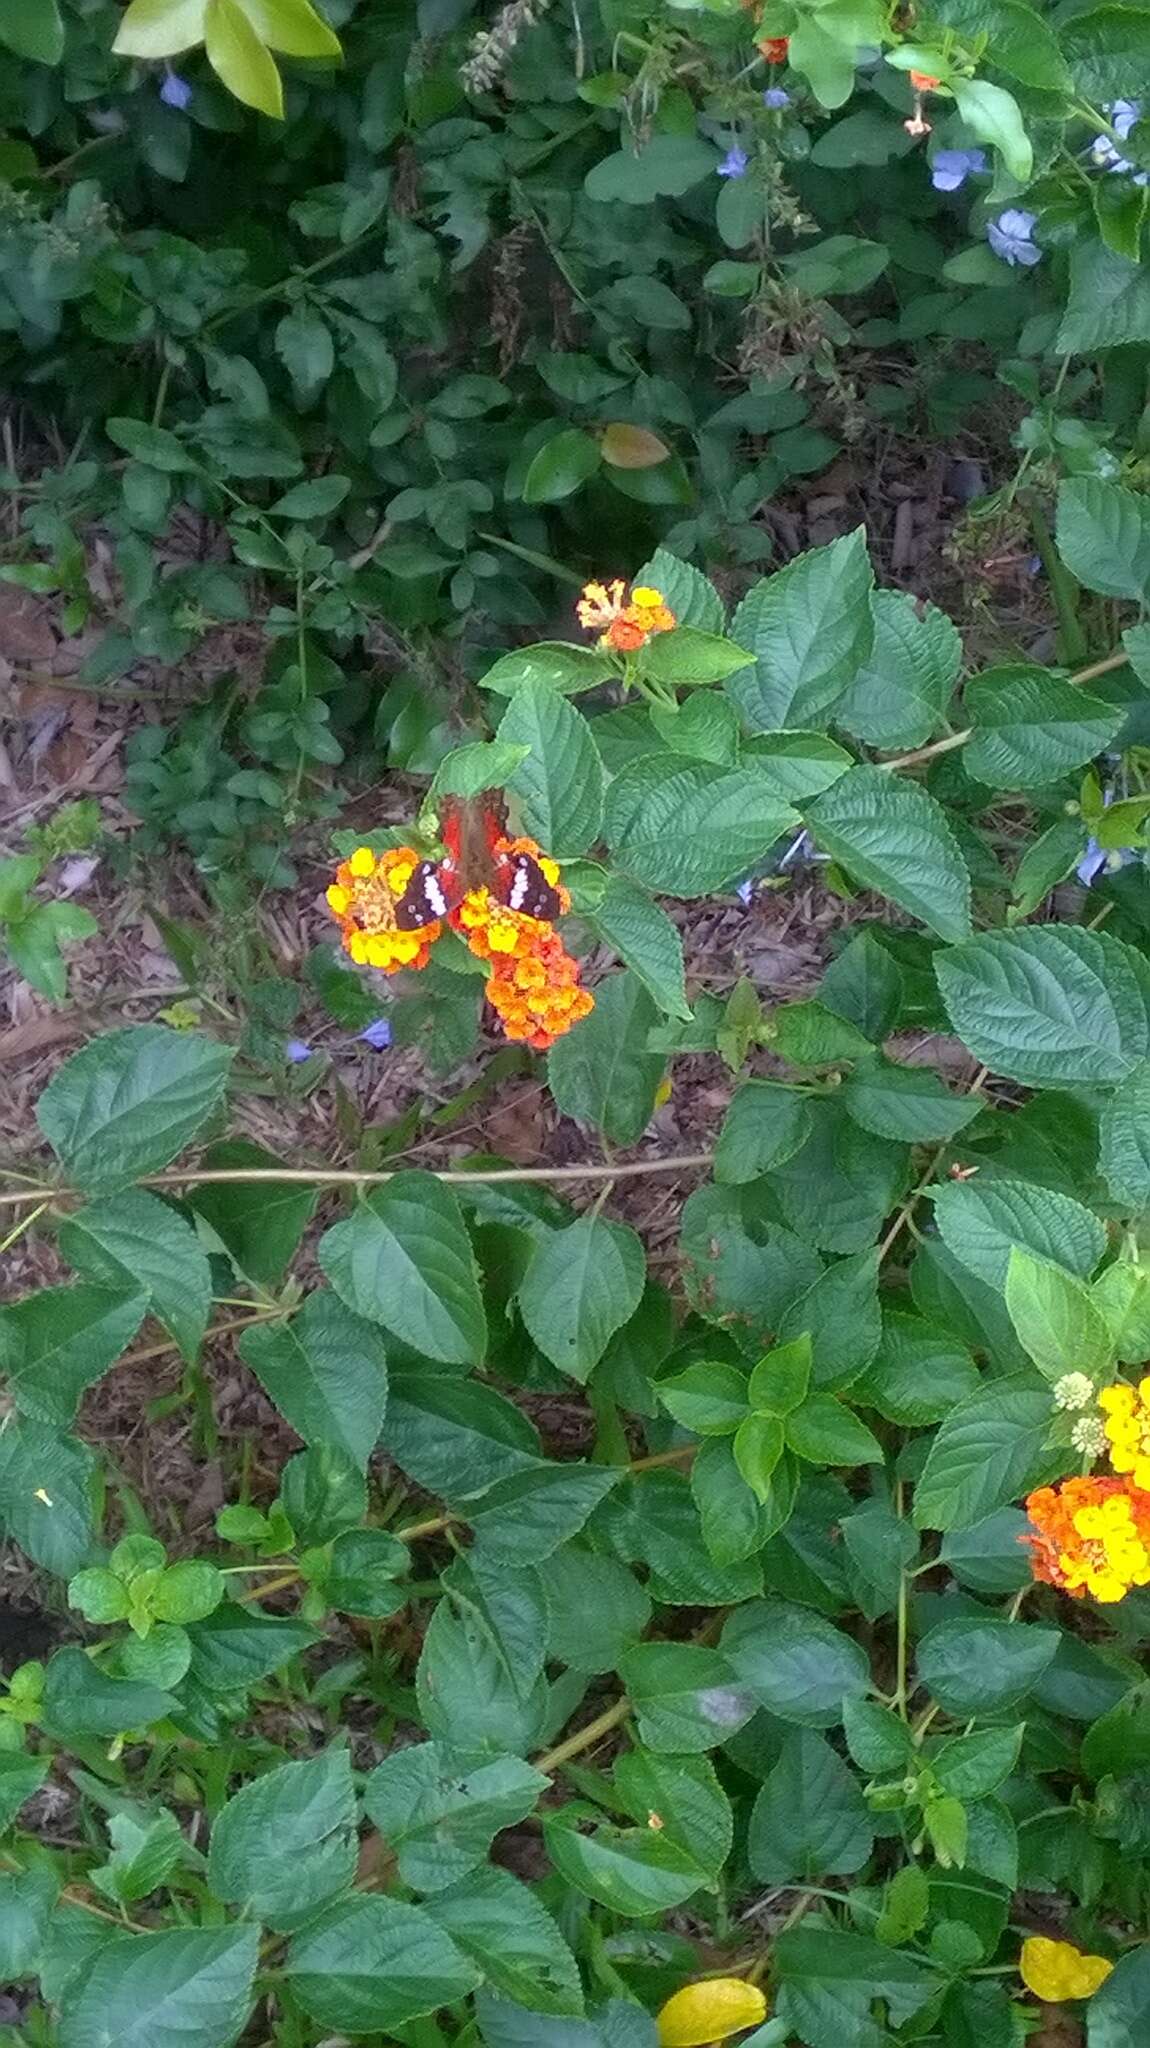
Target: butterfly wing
{"type": "Point", "coordinates": [524, 887]}
{"type": "Point", "coordinates": [426, 898]}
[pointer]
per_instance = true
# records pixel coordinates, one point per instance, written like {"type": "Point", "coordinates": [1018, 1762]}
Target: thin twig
{"type": "Point", "coordinates": [1104, 667]}
{"type": "Point", "coordinates": [347, 1177]}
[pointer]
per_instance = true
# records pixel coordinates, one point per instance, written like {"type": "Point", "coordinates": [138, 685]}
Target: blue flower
{"type": "Point", "coordinates": [745, 891]}
{"type": "Point", "coordinates": [175, 91]}
{"type": "Point", "coordinates": [1009, 237]}
{"type": "Point", "coordinates": [776, 97]}
{"type": "Point", "coordinates": [297, 1052]}
{"type": "Point", "coordinates": [952, 167]}
{"type": "Point", "coordinates": [1099, 860]}
{"type": "Point", "coordinates": [377, 1035]}
{"type": "Point", "coordinates": [734, 164]}
{"type": "Point", "coordinates": [1123, 115]}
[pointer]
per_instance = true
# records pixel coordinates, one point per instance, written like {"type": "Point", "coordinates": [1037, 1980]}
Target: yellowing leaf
{"type": "Point", "coordinates": [292, 26]}
{"type": "Point", "coordinates": [160, 28]}
{"type": "Point", "coordinates": [627, 447]}
{"type": "Point", "coordinates": [240, 60]}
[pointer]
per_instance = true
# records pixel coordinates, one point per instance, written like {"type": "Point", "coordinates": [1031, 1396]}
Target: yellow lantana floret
{"type": "Point", "coordinates": [1127, 1424]}
{"type": "Point", "coordinates": [702, 2013]}
{"type": "Point", "coordinates": [1056, 1970]}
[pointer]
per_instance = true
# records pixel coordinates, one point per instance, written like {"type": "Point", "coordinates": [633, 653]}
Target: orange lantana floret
{"type": "Point", "coordinates": [621, 623]}
{"type": "Point", "coordinates": [363, 897]}
{"type": "Point", "coordinates": [924, 81]}
{"type": "Point", "coordinates": [534, 982]}
{"type": "Point", "coordinates": [774, 49]}
{"type": "Point", "coordinates": [1090, 1535]}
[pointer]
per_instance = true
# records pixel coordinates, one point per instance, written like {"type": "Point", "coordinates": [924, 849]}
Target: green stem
{"type": "Point", "coordinates": [1071, 638]}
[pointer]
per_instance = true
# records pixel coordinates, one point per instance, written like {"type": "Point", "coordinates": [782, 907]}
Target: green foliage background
{"type": "Point", "coordinates": [467, 1733]}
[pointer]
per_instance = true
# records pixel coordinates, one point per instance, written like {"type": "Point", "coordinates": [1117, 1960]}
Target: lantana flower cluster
{"type": "Point", "coordinates": [363, 897]}
{"type": "Point", "coordinates": [534, 983]}
{"type": "Point", "coordinates": [1092, 1534]}
{"type": "Point", "coordinates": [622, 623]}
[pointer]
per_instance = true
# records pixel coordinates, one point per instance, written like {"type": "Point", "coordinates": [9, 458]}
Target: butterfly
{"type": "Point", "coordinates": [474, 831]}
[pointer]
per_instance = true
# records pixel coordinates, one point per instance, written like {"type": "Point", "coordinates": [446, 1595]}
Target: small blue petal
{"type": "Point", "coordinates": [776, 97]}
{"type": "Point", "coordinates": [377, 1035]}
{"type": "Point", "coordinates": [297, 1052]}
{"type": "Point", "coordinates": [176, 92]}
{"type": "Point", "coordinates": [1092, 863]}
{"type": "Point", "coordinates": [734, 164]}
{"type": "Point", "coordinates": [745, 892]}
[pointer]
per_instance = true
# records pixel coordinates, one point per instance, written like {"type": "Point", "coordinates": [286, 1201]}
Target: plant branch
{"type": "Point", "coordinates": [1104, 667]}
{"type": "Point", "coordinates": [611, 1717]}
{"type": "Point", "coordinates": [347, 1177]}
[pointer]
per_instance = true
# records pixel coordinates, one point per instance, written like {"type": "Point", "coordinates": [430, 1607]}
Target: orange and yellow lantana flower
{"type": "Point", "coordinates": [1056, 1970]}
{"type": "Point", "coordinates": [622, 623]}
{"type": "Point", "coordinates": [534, 982]}
{"type": "Point", "coordinates": [363, 897]}
{"type": "Point", "coordinates": [1090, 1535]}
{"type": "Point", "coordinates": [1127, 1425]}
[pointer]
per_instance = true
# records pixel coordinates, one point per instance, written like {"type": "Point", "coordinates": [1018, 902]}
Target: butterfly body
{"type": "Point", "coordinates": [478, 856]}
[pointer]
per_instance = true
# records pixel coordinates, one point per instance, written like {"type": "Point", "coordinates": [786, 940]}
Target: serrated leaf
{"type": "Point", "coordinates": [56, 1343]}
{"type": "Point", "coordinates": [560, 781]}
{"type": "Point", "coordinates": [990, 1450]}
{"type": "Point", "coordinates": [1108, 303]}
{"type": "Point", "coordinates": [404, 1259]}
{"type": "Point", "coordinates": [601, 1073]}
{"type": "Point", "coordinates": [910, 1103]}
{"type": "Point", "coordinates": [1030, 726]}
{"type": "Point", "coordinates": [1103, 535]}
{"type": "Point", "coordinates": [559, 664]}
{"type": "Point", "coordinates": [632, 1871]}
{"type": "Point", "coordinates": [582, 1285]}
{"type": "Point", "coordinates": [688, 657]}
{"type": "Point", "coordinates": [439, 1813]}
{"type": "Point", "coordinates": [688, 593]}
{"type": "Point", "coordinates": [794, 1663]}
{"type": "Point", "coordinates": [1050, 1004]}
{"type": "Point", "coordinates": [258, 1224]}
{"type": "Point", "coordinates": [326, 1371]}
{"type": "Point", "coordinates": [533, 1513]}
{"type": "Point", "coordinates": [47, 1493]}
{"type": "Point", "coordinates": [129, 1101]}
{"type": "Point", "coordinates": [981, 1222]}
{"type": "Point", "coordinates": [456, 1436]}
{"type": "Point", "coordinates": [685, 828]}
{"type": "Point", "coordinates": [797, 765]}
{"type": "Point", "coordinates": [810, 1816]}
{"type": "Point", "coordinates": [284, 1843]}
{"type": "Point", "coordinates": [189, 1988]}
{"type": "Point", "coordinates": [1125, 1133]}
{"type": "Point", "coordinates": [686, 1697]}
{"type": "Point", "coordinates": [134, 1241]}
{"type": "Point", "coordinates": [504, 1928]}
{"type": "Point", "coordinates": [900, 695]}
{"type": "Point", "coordinates": [765, 1125]}
{"type": "Point", "coordinates": [641, 933]}
{"type": "Point", "coordinates": [809, 629]}
{"type": "Point", "coordinates": [1057, 1323]}
{"type": "Point", "coordinates": [981, 1664]}
{"type": "Point", "coordinates": [893, 837]}
{"type": "Point", "coordinates": [370, 1963]}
